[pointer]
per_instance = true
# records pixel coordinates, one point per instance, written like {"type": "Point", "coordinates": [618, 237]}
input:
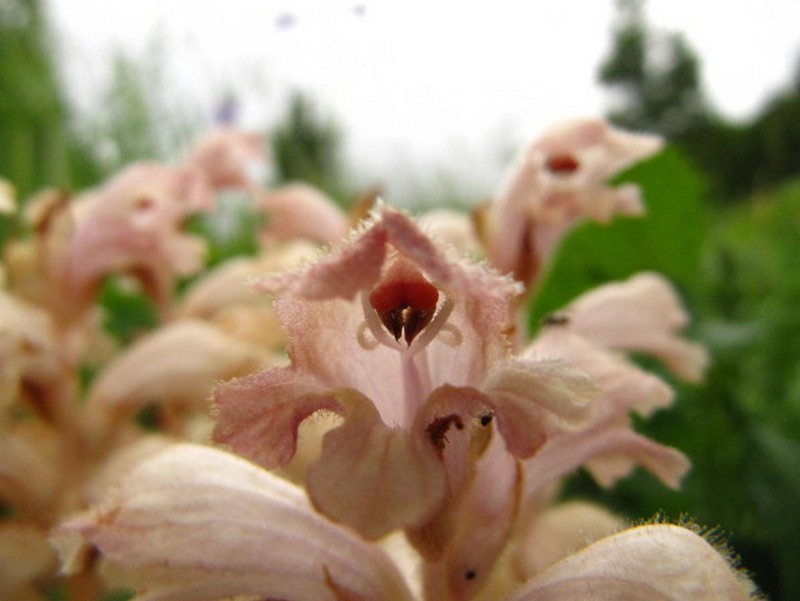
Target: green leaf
{"type": "Point", "coordinates": [127, 312]}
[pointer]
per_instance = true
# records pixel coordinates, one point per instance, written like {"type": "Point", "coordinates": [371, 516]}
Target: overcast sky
{"type": "Point", "coordinates": [414, 81]}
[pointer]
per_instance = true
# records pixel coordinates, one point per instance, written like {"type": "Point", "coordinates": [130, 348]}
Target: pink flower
{"type": "Point", "coordinates": [606, 445]}
{"type": "Point", "coordinates": [299, 210]}
{"type": "Point", "coordinates": [408, 347]}
{"type": "Point", "coordinates": [223, 157]}
{"type": "Point", "coordinates": [556, 182]}
{"type": "Point", "coordinates": [195, 523]}
{"type": "Point", "coordinates": [132, 224]}
{"type": "Point", "coordinates": [176, 366]}
{"type": "Point", "coordinates": [642, 314]}
{"type": "Point", "coordinates": [505, 493]}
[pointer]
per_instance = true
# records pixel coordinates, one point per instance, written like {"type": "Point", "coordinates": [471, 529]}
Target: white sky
{"type": "Point", "coordinates": [418, 82]}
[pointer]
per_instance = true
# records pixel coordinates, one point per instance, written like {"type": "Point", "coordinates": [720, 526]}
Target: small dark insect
{"type": "Point", "coordinates": [555, 319]}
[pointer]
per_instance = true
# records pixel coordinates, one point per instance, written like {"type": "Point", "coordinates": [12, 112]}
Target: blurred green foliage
{"type": "Point", "coordinates": [127, 312]}
{"type": "Point", "coordinates": [306, 146]}
{"type": "Point", "coordinates": [660, 93]}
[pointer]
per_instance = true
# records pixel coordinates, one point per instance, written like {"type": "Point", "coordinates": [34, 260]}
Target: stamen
{"type": "Point", "coordinates": [404, 301]}
{"type": "Point", "coordinates": [450, 335]}
{"type": "Point", "coordinates": [375, 327]}
{"type": "Point", "coordinates": [366, 343]}
{"type": "Point", "coordinates": [435, 327]}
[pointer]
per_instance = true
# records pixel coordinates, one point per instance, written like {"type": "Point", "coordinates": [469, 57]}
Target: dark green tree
{"type": "Point", "coordinates": [32, 105]}
{"type": "Point", "coordinates": [656, 76]}
{"type": "Point", "coordinates": [306, 146]}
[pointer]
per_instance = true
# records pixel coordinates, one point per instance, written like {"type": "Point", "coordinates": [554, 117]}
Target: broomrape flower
{"type": "Point", "coordinates": [407, 346]}
{"type": "Point", "coordinates": [195, 523]}
{"type": "Point", "coordinates": [558, 181]}
{"type": "Point", "coordinates": [443, 436]}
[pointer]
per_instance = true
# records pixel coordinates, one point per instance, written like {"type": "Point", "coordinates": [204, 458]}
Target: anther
{"type": "Point", "coordinates": [404, 301]}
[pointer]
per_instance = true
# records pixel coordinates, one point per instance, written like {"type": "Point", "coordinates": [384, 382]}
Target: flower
{"type": "Point", "coordinates": [408, 346]}
{"type": "Point", "coordinates": [225, 156]}
{"type": "Point", "coordinates": [300, 211]}
{"type": "Point", "coordinates": [132, 224]}
{"type": "Point", "coordinates": [195, 523]}
{"type": "Point", "coordinates": [556, 182]}
{"type": "Point", "coordinates": [175, 366]}
{"type": "Point", "coordinates": [642, 314]}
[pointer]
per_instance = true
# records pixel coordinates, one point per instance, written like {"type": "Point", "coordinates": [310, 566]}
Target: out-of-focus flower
{"type": "Point", "coordinates": [408, 346]}
{"type": "Point", "coordinates": [133, 224]}
{"type": "Point", "coordinates": [644, 315]}
{"type": "Point", "coordinates": [559, 180]}
{"type": "Point", "coordinates": [194, 523]}
{"type": "Point", "coordinates": [25, 555]}
{"type": "Point", "coordinates": [174, 367]}
{"type": "Point", "coordinates": [32, 371]}
{"type": "Point", "coordinates": [225, 296]}
{"type": "Point", "coordinates": [452, 227]}
{"type": "Point", "coordinates": [300, 211]}
{"type": "Point", "coordinates": [227, 157]}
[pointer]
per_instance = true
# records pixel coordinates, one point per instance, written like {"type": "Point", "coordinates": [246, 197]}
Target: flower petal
{"type": "Point", "coordinates": [223, 157]}
{"type": "Point", "coordinates": [556, 182]}
{"type": "Point", "coordinates": [180, 362]}
{"type": "Point", "coordinates": [476, 526]}
{"type": "Point", "coordinates": [299, 210]}
{"type": "Point", "coordinates": [368, 475]}
{"type": "Point", "coordinates": [534, 399]}
{"type": "Point", "coordinates": [258, 415]}
{"type": "Point", "coordinates": [568, 452]}
{"type": "Point", "coordinates": [557, 532]}
{"type": "Point", "coordinates": [658, 563]}
{"type": "Point", "coordinates": [195, 523]}
{"type": "Point", "coordinates": [642, 314]}
{"type": "Point", "coordinates": [372, 477]}
{"type": "Point", "coordinates": [622, 386]}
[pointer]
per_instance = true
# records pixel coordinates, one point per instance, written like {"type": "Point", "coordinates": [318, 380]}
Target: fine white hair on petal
{"type": "Point", "coordinates": [647, 563]}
